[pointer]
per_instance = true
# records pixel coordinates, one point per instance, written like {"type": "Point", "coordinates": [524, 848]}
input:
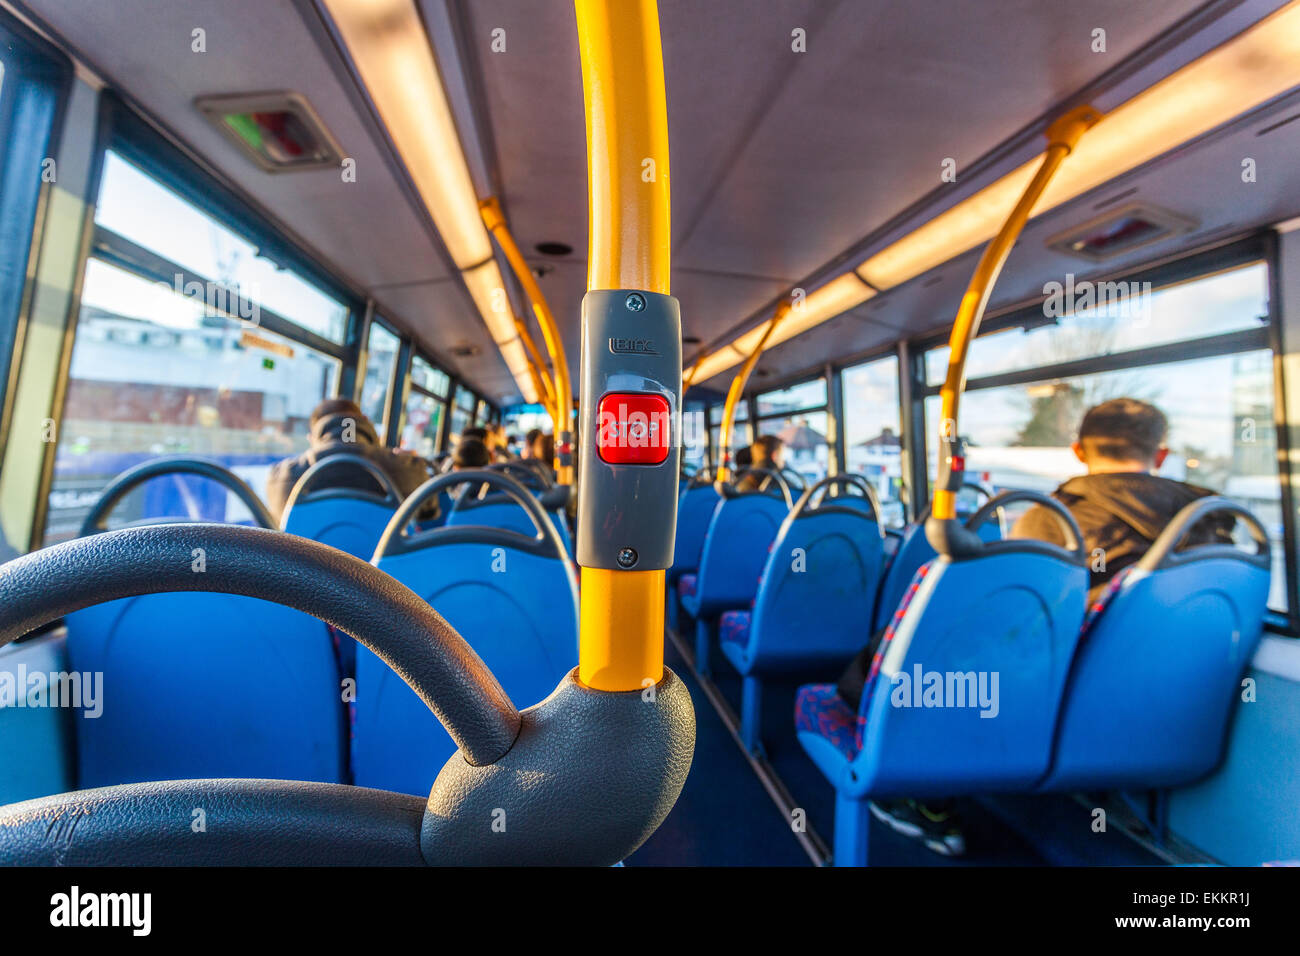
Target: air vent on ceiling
{"type": "Point", "coordinates": [464, 351]}
{"type": "Point", "coordinates": [278, 131]}
{"type": "Point", "coordinates": [1120, 230]}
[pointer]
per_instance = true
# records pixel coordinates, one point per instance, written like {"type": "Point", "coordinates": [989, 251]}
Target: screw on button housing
{"type": "Point", "coordinates": [635, 302]}
{"type": "Point", "coordinates": [627, 557]}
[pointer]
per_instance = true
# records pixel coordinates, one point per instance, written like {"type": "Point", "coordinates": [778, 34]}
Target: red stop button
{"type": "Point", "coordinates": [632, 428]}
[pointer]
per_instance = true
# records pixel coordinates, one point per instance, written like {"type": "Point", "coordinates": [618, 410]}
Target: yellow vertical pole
{"type": "Point", "coordinates": [1062, 136]}
{"type": "Point", "coordinates": [622, 633]}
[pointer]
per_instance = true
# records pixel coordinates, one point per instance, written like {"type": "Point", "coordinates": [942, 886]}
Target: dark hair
{"type": "Point", "coordinates": [336, 406]}
{"type": "Point", "coordinates": [548, 448]}
{"type": "Point", "coordinates": [765, 448]}
{"type": "Point", "coordinates": [474, 432]}
{"type": "Point", "coordinates": [471, 453]}
{"type": "Point", "coordinates": [532, 436]}
{"type": "Point", "coordinates": [744, 457]}
{"type": "Point", "coordinates": [1124, 429]}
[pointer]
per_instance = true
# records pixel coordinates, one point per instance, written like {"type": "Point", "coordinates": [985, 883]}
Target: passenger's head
{"type": "Point", "coordinates": [768, 451]}
{"type": "Point", "coordinates": [336, 406]}
{"type": "Point", "coordinates": [470, 453]}
{"type": "Point", "coordinates": [477, 433]}
{"type": "Point", "coordinates": [530, 440]}
{"type": "Point", "coordinates": [1123, 434]}
{"type": "Point", "coordinates": [341, 420]}
{"type": "Point", "coordinates": [541, 446]}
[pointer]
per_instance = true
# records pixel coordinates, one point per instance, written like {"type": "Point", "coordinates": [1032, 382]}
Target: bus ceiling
{"type": "Point", "coordinates": [836, 209]}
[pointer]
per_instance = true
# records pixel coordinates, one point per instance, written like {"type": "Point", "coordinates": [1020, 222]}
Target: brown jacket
{"type": "Point", "coordinates": [1120, 515]}
{"type": "Point", "coordinates": [328, 436]}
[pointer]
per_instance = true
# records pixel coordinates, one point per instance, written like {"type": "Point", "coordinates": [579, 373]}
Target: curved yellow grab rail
{"type": "Point", "coordinates": [1062, 136]}
{"type": "Point", "coordinates": [537, 368]}
{"type": "Point", "coordinates": [562, 405]}
{"type": "Point", "coordinates": [622, 632]}
{"type": "Point", "coordinates": [737, 389]}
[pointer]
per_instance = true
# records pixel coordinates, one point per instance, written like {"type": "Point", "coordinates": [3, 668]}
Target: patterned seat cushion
{"type": "Point", "coordinates": [686, 585]}
{"type": "Point", "coordinates": [734, 627]}
{"type": "Point", "coordinates": [819, 709]}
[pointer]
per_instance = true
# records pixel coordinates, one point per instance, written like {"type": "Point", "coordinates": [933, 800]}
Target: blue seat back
{"type": "Point", "coordinates": [970, 683]}
{"type": "Point", "coordinates": [350, 524]}
{"type": "Point", "coordinates": [912, 552]}
{"type": "Point", "coordinates": [1158, 670]}
{"type": "Point", "coordinates": [207, 685]}
{"type": "Point", "coordinates": [694, 512]}
{"type": "Point", "coordinates": [817, 594]}
{"type": "Point", "coordinates": [518, 611]}
{"type": "Point", "coordinates": [512, 596]}
{"type": "Point", "coordinates": [199, 684]}
{"type": "Point", "coordinates": [735, 550]}
{"type": "Point", "coordinates": [507, 516]}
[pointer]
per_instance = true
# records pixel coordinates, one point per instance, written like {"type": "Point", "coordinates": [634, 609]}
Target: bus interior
{"type": "Point", "coordinates": [671, 353]}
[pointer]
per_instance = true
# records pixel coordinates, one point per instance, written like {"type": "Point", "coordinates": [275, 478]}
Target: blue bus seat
{"type": "Point", "coordinates": [815, 597]}
{"type": "Point", "coordinates": [349, 519]}
{"type": "Point", "coordinates": [963, 694]}
{"type": "Point", "coordinates": [695, 506]}
{"type": "Point", "coordinates": [507, 516]}
{"type": "Point", "coordinates": [1160, 660]}
{"type": "Point", "coordinates": [514, 599]}
{"type": "Point", "coordinates": [914, 550]}
{"type": "Point", "coordinates": [740, 532]}
{"type": "Point", "coordinates": [203, 685]}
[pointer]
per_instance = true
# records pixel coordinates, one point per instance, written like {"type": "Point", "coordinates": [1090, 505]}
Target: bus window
{"type": "Point", "coordinates": [140, 209]}
{"type": "Point", "coordinates": [741, 434]}
{"type": "Point", "coordinates": [693, 445]}
{"type": "Point", "coordinates": [381, 360]}
{"type": "Point", "coordinates": [1220, 412]}
{"type": "Point", "coordinates": [156, 373]}
{"type": "Point", "coordinates": [798, 416]}
{"type": "Point", "coordinates": [462, 413]}
{"type": "Point", "coordinates": [1130, 316]}
{"type": "Point", "coordinates": [425, 408]}
{"type": "Point", "coordinates": [872, 430]}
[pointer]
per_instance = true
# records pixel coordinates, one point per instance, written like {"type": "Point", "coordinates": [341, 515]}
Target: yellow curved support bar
{"type": "Point", "coordinates": [537, 368]}
{"type": "Point", "coordinates": [1062, 136]}
{"type": "Point", "coordinates": [621, 644]}
{"type": "Point", "coordinates": [737, 389]}
{"type": "Point", "coordinates": [562, 404]}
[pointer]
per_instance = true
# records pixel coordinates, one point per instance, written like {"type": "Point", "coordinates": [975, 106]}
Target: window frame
{"type": "Point", "coordinates": [34, 95]}
{"type": "Point", "coordinates": [1193, 266]}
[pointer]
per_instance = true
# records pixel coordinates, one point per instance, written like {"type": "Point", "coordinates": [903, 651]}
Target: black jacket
{"type": "Point", "coordinates": [333, 436]}
{"type": "Point", "coordinates": [1120, 514]}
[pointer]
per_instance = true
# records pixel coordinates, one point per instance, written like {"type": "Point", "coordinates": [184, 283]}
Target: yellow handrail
{"type": "Point", "coordinates": [562, 406]}
{"type": "Point", "coordinates": [1062, 136]}
{"type": "Point", "coordinates": [621, 643]}
{"type": "Point", "coordinates": [537, 368]}
{"type": "Point", "coordinates": [738, 387]}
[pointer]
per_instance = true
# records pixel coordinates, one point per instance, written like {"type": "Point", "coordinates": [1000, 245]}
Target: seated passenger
{"type": "Point", "coordinates": [497, 444]}
{"type": "Point", "coordinates": [1121, 507]}
{"type": "Point", "coordinates": [338, 426]}
{"type": "Point", "coordinates": [471, 454]}
{"type": "Point", "coordinates": [768, 451]}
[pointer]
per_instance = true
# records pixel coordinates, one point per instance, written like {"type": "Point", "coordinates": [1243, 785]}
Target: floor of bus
{"type": "Point", "coordinates": [725, 816]}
